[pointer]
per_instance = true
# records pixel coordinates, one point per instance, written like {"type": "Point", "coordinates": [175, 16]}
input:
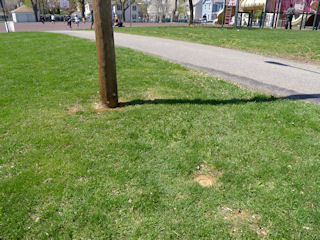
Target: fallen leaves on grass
{"type": "Point", "coordinates": [47, 180]}
{"type": "Point", "coordinates": [35, 218]}
{"type": "Point", "coordinates": [177, 234]}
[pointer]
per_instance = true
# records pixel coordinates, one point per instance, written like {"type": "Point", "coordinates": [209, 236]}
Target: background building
{"type": "Point", "coordinates": [23, 14]}
{"type": "Point", "coordinates": [210, 8]}
{"type": "Point", "coordinates": [117, 9]}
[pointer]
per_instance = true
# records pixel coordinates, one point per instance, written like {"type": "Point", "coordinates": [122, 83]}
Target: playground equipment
{"type": "Point", "coordinates": [297, 21]}
{"type": "Point", "coordinates": [244, 6]}
{"type": "Point", "coordinates": [307, 10]}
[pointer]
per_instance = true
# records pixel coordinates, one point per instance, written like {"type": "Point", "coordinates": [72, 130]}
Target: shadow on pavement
{"type": "Point", "coordinates": [302, 96]}
{"type": "Point", "coordinates": [286, 65]}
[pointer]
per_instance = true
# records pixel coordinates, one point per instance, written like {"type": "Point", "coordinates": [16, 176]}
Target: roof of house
{"type": "Point", "coordinates": [23, 8]}
{"type": "Point", "coordinates": [197, 1]}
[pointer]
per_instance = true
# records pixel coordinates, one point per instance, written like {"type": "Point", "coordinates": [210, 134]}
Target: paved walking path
{"type": "Point", "coordinates": [278, 76]}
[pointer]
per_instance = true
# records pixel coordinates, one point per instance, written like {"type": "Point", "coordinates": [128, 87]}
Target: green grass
{"type": "Point", "coordinates": [69, 172]}
{"type": "Point", "coordinates": [301, 45]}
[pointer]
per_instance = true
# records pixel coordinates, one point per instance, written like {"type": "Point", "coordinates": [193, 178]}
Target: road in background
{"type": "Point", "coordinates": [39, 27]}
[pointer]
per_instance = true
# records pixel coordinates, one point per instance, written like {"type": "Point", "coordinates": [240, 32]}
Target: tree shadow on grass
{"type": "Point", "coordinates": [315, 98]}
{"type": "Point", "coordinates": [233, 101]}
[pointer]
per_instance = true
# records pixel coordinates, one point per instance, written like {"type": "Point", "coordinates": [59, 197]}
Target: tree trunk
{"type": "Point", "coordinates": [123, 12]}
{"type": "Point", "coordinates": [105, 53]}
{"type": "Point", "coordinates": [174, 10]}
{"type": "Point", "coordinates": [191, 12]}
{"type": "Point", "coordinates": [34, 4]}
{"type": "Point", "coordinates": [82, 8]}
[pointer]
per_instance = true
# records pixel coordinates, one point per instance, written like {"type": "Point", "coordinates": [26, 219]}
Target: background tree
{"type": "Point", "coordinates": [191, 12]}
{"type": "Point", "coordinates": [53, 6]}
{"type": "Point", "coordinates": [34, 4]}
{"type": "Point", "coordinates": [174, 11]}
{"type": "Point", "coordinates": [143, 8]}
{"type": "Point", "coordinates": [12, 4]}
{"type": "Point", "coordinates": [124, 6]}
{"type": "Point", "coordinates": [165, 9]}
{"type": "Point", "coordinates": [160, 9]}
{"type": "Point", "coordinates": [44, 6]}
{"type": "Point", "coordinates": [72, 6]}
{"type": "Point", "coordinates": [82, 7]}
{"type": "Point", "coordinates": [182, 9]}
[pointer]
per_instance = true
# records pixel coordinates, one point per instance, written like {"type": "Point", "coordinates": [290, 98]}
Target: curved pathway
{"type": "Point", "coordinates": [277, 76]}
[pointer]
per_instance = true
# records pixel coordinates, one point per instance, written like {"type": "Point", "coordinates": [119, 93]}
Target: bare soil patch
{"type": "Point", "coordinates": [240, 218]}
{"type": "Point", "coordinates": [101, 107]}
{"type": "Point", "coordinates": [205, 180]}
{"type": "Point", "coordinates": [206, 176]}
{"type": "Point", "coordinates": [75, 108]}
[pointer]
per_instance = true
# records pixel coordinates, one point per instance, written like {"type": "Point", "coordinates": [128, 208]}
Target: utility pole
{"type": "Point", "coordinates": [105, 52]}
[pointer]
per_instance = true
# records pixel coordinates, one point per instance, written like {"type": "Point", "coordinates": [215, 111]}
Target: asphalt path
{"type": "Point", "coordinates": [280, 77]}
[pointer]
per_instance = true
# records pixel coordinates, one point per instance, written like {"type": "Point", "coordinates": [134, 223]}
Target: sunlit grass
{"type": "Point", "coordinates": [70, 172]}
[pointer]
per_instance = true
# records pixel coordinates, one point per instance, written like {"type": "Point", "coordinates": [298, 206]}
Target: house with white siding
{"type": "Point", "coordinates": [117, 9]}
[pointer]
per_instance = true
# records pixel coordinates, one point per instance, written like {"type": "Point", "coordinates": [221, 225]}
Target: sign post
{"type": "Point", "coordinates": [105, 52]}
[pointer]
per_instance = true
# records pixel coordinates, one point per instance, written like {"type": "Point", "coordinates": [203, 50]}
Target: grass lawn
{"type": "Point", "coordinates": [68, 171]}
{"type": "Point", "coordinates": [301, 45]}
